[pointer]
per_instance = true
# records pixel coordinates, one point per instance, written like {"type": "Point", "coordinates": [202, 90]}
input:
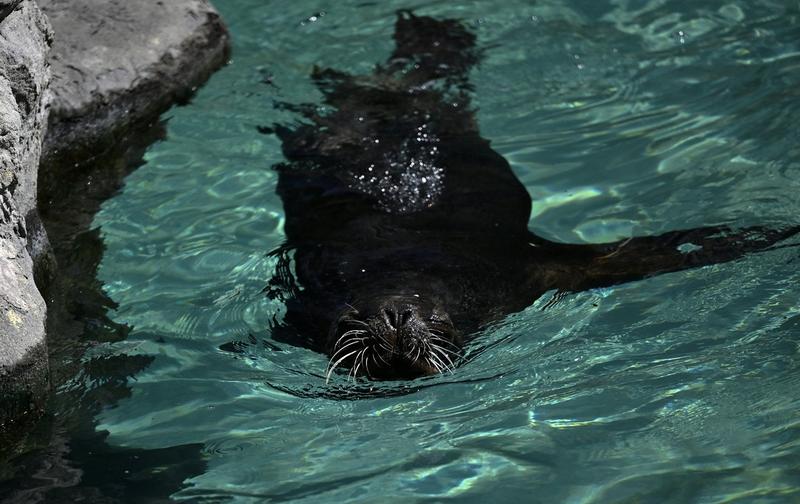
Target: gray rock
{"type": "Point", "coordinates": [7, 7]}
{"type": "Point", "coordinates": [119, 62]}
{"type": "Point", "coordinates": [116, 65]}
{"type": "Point", "coordinates": [25, 38]}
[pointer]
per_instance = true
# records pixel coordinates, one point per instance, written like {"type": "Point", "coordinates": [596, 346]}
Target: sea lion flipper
{"type": "Point", "coordinates": [641, 257]}
{"type": "Point", "coordinates": [428, 49]}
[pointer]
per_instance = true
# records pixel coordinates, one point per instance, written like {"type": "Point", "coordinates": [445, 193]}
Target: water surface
{"type": "Point", "coordinates": [621, 117]}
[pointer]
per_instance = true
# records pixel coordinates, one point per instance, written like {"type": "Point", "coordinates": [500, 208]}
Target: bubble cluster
{"type": "Point", "coordinates": [407, 178]}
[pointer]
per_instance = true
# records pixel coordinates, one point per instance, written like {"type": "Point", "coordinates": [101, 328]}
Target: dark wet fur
{"type": "Point", "coordinates": [408, 233]}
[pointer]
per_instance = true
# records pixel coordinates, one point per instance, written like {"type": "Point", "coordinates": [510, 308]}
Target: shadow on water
{"type": "Point", "coordinates": [371, 390]}
{"type": "Point", "coordinates": [65, 458]}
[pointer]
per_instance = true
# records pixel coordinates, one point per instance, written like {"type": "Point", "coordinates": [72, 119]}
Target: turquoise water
{"type": "Point", "coordinates": [621, 117]}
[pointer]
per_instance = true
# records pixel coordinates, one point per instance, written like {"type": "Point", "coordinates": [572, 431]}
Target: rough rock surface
{"type": "Point", "coordinates": [141, 57]}
{"type": "Point", "coordinates": [25, 38]}
{"type": "Point", "coordinates": [116, 64]}
{"type": "Point", "coordinates": [7, 7]}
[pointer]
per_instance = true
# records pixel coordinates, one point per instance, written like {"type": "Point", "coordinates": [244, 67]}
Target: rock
{"type": "Point", "coordinates": [25, 38]}
{"type": "Point", "coordinates": [121, 62]}
{"type": "Point", "coordinates": [7, 7]}
{"type": "Point", "coordinates": [116, 65]}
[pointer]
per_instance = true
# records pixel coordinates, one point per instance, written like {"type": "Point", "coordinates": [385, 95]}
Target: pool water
{"type": "Point", "coordinates": [621, 117]}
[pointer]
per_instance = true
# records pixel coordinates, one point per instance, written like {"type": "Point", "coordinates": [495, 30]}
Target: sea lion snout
{"type": "Point", "coordinates": [400, 325]}
{"type": "Point", "coordinates": [391, 337]}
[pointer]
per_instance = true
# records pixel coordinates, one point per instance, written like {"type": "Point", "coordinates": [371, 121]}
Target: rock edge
{"type": "Point", "coordinates": [116, 65]}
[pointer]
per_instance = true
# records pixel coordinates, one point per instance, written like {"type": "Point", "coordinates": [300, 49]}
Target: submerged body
{"type": "Point", "coordinates": [409, 233]}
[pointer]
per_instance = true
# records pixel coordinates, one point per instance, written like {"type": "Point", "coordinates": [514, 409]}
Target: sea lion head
{"type": "Point", "coordinates": [391, 336]}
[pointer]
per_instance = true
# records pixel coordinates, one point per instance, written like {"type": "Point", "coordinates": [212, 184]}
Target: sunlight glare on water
{"type": "Point", "coordinates": [620, 117]}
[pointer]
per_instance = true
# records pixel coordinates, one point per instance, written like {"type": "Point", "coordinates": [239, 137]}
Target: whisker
{"type": "Point", "coordinates": [437, 332]}
{"type": "Point", "coordinates": [342, 337]}
{"type": "Point", "coordinates": [381, 338]}
{"type": "Point", "coordinates": [359, 359]}
{"type": "Point", "coordinates": [419, 352]}
{"type": "Point", "coordinates": [343, 347]}
{"type": "Point", "coordinates": [366, 364]}
{"type": "Point", "coordinates": [444, 340]}
{"type": "Point", "coordinates": [438, 350]}
{"type": "Point", "coordinates": [350, 341]}
{"type": "Point", "coordinates": [434, 364]}
{"type": "Point", "coordinates": [382, 359]}
{"type": "Point", "coordinates": [384, 343]}
{"type": "Point", "coordinates": [356, 322]}
{"type": "Point", "coordinates": [331, 367]}
{"type": "Point", "coordinates": [434, 358]}
{"type": "Point", "coordinates": [355, 332]}
{"type": "Point", "coordinates": [454, 354]}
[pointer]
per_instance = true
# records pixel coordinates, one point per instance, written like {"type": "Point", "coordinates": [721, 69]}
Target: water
{"type": "Point", "coordinates": [621, 117]}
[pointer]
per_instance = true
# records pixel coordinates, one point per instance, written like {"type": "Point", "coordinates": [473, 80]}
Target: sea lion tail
{"type": "Point", "coordinates": [428, 48]}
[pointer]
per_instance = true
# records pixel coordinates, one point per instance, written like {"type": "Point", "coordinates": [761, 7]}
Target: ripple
{"type": "Point", "coordinates": [620, 117]}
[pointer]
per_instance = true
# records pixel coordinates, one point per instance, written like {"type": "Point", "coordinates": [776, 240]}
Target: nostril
{"type": "Point", "coordinates": [396, 318]}
{"type": "Point", "coordinates": [390, 316]}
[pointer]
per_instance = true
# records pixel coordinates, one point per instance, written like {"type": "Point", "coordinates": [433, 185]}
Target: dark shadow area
{"type": "Point", "coordinates": [63, 458]}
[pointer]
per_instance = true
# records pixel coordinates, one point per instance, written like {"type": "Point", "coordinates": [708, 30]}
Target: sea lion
{"type": "Point", "coordinates": [407, 231]}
